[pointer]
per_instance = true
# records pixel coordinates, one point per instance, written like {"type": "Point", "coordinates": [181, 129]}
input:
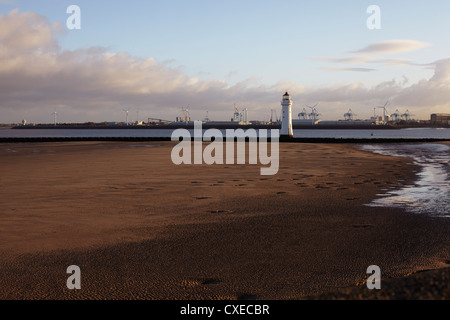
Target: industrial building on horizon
{"type": "Point", "coordinates": [286, 122]}
{"type": "Point", "coordinates": [440, 119]}
{"type": "Point", "coordinates": [305, 118]}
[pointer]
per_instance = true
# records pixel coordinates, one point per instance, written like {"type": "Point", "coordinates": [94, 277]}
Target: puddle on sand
{"type": "Point", "coordinates": [431, 192]}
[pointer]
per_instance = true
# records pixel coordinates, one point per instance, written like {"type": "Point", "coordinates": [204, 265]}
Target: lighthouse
{"type": "Point", "coordinates": [286, 117]}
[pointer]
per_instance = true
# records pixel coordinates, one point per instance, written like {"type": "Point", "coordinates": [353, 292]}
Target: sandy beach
{"type": "Point", "coordinates": [140, 227]}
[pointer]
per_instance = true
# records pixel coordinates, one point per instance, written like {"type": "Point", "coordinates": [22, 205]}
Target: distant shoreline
{"type": "Point", "coordinates": [370, 134]}
{"type": "Point", "coordinates": [156, 139]}
{"type": "Point", "coordinates": [207, 125]}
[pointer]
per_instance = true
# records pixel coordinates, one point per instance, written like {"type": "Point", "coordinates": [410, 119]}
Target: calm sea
{"type": "Point", "coordinates": [411, 133]}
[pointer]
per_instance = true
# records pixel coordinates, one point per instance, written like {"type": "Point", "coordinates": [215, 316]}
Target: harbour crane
{"type": "Point", "coordinates": [303, 115]}
{"type": "Point", "coordinates": [395, 116]}
{"type": "Point", "coordinates": [407, 115]}
{"type": "Point", "coordinates": [349, 115]}
{"type": "Point", "coordinates": [314, 114]}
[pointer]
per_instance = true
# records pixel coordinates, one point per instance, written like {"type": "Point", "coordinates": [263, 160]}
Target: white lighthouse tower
{"type": "Point", "coordinates": [286, 117]}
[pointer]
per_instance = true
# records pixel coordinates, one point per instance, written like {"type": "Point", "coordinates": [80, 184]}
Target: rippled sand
{"type": "Point", "coordinates": [140, 227]}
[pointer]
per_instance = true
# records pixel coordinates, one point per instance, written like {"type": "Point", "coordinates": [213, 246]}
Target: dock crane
{"type": "Point", "coordinates": [314, 114]}
{"type": "Point", "coordinates": [349, 115]}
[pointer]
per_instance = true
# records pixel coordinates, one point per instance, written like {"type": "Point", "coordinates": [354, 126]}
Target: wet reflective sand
{"type": "Point", "coordinates": [430, 194]}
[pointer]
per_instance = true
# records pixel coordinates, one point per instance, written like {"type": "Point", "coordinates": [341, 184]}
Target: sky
{"type": "Point", "coordinates": [156, 57]}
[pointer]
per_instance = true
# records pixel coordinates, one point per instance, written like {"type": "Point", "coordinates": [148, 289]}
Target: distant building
{"type": "Point", "coordinates": [440, 118]}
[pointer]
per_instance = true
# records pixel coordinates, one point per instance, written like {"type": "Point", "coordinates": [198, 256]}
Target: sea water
{"type": "Point", "coordinates": [408, 133]}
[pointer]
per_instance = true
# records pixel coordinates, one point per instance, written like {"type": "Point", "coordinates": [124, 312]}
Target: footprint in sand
{"type": "Point", "coordinates": [306, 175]}
{"type": "Point", "coordinates": [302, 185]}
{"type": "Point", "coordinates": [220, 211]}
{"type": "Point", "coordinates": [209, 281]}
{"type": "Point", "coordinates": [362, 226]}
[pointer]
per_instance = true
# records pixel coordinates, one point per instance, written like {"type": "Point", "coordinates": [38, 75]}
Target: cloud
{"type": "Point", "coordinates": [371, 53]}
{"type": "Point", "coordinates": [393, 47]}
{"type": "Point", "coordinates": [442, 72]}
{"type": "Point", "coordinates": [348, 69]}
{"type": "Point", "coordinates": [352, 60]}
{"type": "Point", "coordinates": [37, 76]}
{"type": "Point", "coordinates": [422, 98]}
{"type": "Point", "coordinates": [347, 60]}
{"type": "Point", "coordinates": [396, 62]}
{"type": "Point", "coordinates": [432, 92]}
{"type": "Point", "coordinates": [35, 72]}
{"type": "Point", "coordinates": [377, 49]}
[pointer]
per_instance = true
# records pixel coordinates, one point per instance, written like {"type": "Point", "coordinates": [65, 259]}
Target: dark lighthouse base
{"type": "Point", "coordinates": [285, 137]}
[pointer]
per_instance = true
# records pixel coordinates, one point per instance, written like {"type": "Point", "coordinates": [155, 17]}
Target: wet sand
{"type": "Point", "coordinates": [140, 227]}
